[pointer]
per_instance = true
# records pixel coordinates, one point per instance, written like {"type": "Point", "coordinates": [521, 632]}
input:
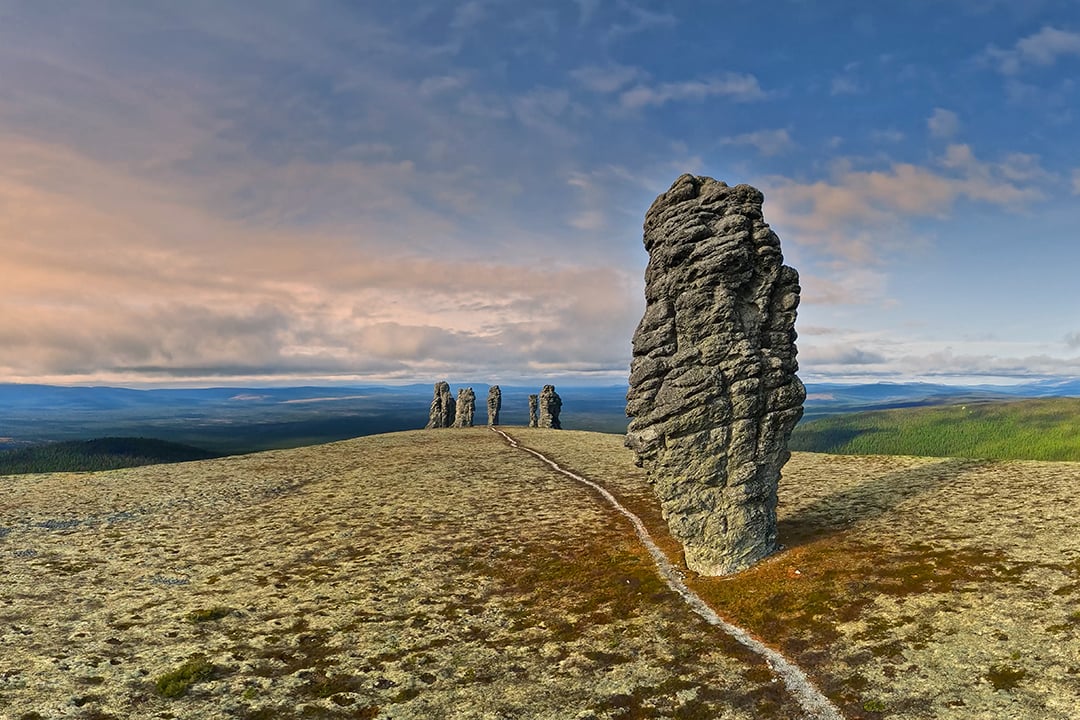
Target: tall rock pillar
{"type": "Point", "coordinates": [550, 407]}
{"type": "Point", "coordinates": [713, 393]}
{"type": "Point", "coordinates": [466, 408]}
{"type": "Point", "coordinates": [441, 414]}
{"type": "Point", "coordinates": [494, 405]}
{"type": "Point", "coordinates": [534, 409]}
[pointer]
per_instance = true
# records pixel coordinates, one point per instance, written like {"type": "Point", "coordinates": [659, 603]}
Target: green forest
{"type": "Point", "coordinates": [107, 453]}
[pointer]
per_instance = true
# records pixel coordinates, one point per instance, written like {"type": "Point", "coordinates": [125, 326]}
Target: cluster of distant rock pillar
{"type": "Point", "coordinates": [446, 412]}
{"type": "Point", "coordinates": [544, 409]}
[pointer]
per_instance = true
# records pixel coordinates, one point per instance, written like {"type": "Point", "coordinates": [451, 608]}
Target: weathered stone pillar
{"type": "Point", "coordinates": [494, 405]}
{"type": "Point", "coordinates": [534, 411]}
{"type": "Point", "coordinates": [550, 406]}
{"type": "Point", "coordinates": [466, 407]}
{"type": "Point", "coordinates": [441, 414]}
{"type": "Point", "coordinates": [713, 392]}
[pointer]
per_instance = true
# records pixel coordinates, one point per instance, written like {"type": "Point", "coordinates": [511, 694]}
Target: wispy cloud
{"type": "Point", "coordinates": [605, 78]}
{"type": "Point", "coordinates": [439, 84]}
{"type": "Point", "coordinates": [637, 19]}
{"type": "Point", "coordinates": [469, 14]}
{"type": "Point", "coordinates": [767, 142]}
{"type": "Point", "coordinates": [737, 87]}
{"type": "Point", "coordinates": [844, 85]}
{"type": "Point", "coordinates": [841, 354]}
{"type": "Point", "coordinates": [1041, 48]}
{"type": "Point", "coordinates": [890, 135]}
{"type": "Point", "coordinates": [943, 123]}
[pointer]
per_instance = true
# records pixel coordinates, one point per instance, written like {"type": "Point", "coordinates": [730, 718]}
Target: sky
{"type": "Point", "coordinates": [321, 191]}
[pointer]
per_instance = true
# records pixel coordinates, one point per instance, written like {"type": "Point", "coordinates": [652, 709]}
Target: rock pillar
{"type": "Point", "coordinates": [713, 392]}
{"type": "Point", "coordinates": [466, 408]}
{"type": "Point", "coordinates": [494, 405]}
{"type": "Point", "coordinates": [534, 410]}
{"type": "Point", "coordinates": [550, 406]}
{"type": "Point", "coordinates": [441, 414]}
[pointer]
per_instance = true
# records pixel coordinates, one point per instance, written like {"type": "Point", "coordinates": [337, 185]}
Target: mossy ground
{"type": "Point", "coordinates": [413, 575]}
{"type": "Point", "coordinates": [442, 574]}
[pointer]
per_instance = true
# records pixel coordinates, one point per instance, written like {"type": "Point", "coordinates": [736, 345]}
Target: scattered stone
{"type": "Point", "coordinates": [443, 408]}
{"type": "Point", "coordinates": [550, 406]}
{"type": "Point", "coordinates": [713, 392]}
{"type": "Point", "coordinates": [494, 404]}
{"type": "Point", "coordinates": [466, 407]}
{"type": "Point", "coordinates": [534, 411]}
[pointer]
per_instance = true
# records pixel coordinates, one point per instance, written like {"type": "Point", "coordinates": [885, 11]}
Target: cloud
{"type": "Point", "coordinates": [890, 135]}
{"type": "Point", "coordinates": [853, 214]}
{"type": "Point", "coordinates": [943, 123]}
{"type": "Point", "coordinates": [638, 20]}
{"type": "Point", "coordinates": [840, 354]}
{"type": "Point", "coordinates": [586, 10]}
{"type": "Point", "coordinates": [605, 78]}
{"type": "Point", "coordinates": [843, 85]}
{"type": "Point", "coordinates": [113, 279]}
{"type": "Point", "coordinates": [849, 287]}
{"type": "Point", "coordinates": [1041, 48]}
{"type": "Point", "coordinates": [864, 356]}
{"type": "Point", "coordinates": [767, 142]}
{"type": "Point", "coordinates": [1076, 181]}
{"type": "Point", "coordinates": [438, 84]}
{"type": "Point", "coordinates": [738, 87]}
{"type": "Point", "coordinates": [468, 14]}
{"type": "Point", "coordinates": [1073, 340]}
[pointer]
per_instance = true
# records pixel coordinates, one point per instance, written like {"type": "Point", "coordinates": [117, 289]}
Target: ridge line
{"type": "Point", "coordinates": [812, 701]}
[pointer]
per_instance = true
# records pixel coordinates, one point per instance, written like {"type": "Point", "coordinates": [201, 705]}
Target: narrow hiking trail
{"type": "Point", "coordinates": [813, 702]}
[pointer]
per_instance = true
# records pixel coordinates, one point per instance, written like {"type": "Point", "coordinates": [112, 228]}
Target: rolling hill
{"type": "Point", "coordinates": [1040, 429]}
{"type": "Point", "coordinates": [447, 574]}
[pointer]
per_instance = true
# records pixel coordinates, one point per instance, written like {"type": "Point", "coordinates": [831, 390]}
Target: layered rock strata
{"type": "Point", "coordinates": [534, 409]}
{"type": "Point", "coordinates": [494, 405]}
{"type": "Point", "coordinates": [550, 407]}
{"type": "Point", "coordinates": [713, 392]}
{"type": "Point", "coordinates": [443, 407]}
{"type": "Point", "coordinates": [466, 407]}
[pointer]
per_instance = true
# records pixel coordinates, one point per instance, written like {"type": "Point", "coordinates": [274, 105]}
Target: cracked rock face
{"type": "Point", "coordinates": [534, 409]}
{"type": "Point", "coordinates": [713, 393]}
{"type": "Point", "coordinates": [466, 407]}
{"type": "Point", "coordinates": [494, 405]}
{"type": "Point", "coordinates": [441, 414]}
{"type": "Point", "coordinates": [550, 405]}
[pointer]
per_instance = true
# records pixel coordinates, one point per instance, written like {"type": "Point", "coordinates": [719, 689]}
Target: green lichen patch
{"type": "Point", "coordinates": [177, 682]}
{"type": "Point", "coordinates": [1004, 676]}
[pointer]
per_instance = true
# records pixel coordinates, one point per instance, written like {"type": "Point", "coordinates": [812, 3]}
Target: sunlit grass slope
{"type": "Point", "coordinates": [1043, 429]}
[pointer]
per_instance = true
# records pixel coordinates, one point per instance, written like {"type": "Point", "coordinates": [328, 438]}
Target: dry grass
{"type": "Point", "coordinates": [440, 574]}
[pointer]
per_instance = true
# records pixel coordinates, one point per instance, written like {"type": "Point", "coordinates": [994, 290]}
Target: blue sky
{"type": "Point", "coordinates": [320, 191]}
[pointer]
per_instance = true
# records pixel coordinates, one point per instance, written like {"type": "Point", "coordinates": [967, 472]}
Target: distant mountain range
{"type": "Point", "coordinates": [243, 419]}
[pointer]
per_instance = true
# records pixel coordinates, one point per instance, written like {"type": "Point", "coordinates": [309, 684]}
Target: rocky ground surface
{"type": "Point", "coordinates": [442, 574]}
